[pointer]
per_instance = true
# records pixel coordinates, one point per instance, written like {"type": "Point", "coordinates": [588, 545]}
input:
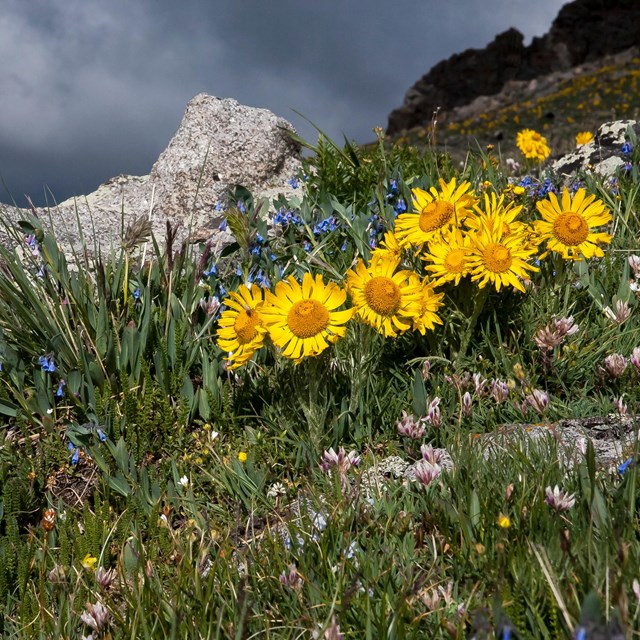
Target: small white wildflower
{"type": "Point", "coordinates": [276, 490]}
{"type": "Point", "coordinates": [636, 588]}
{"type": "Point", "coordinates": [620, 314]}
{"type": "Point", "coordinates": [184, 481]}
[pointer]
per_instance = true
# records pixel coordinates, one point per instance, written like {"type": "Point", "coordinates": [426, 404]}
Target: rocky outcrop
{"type": "Point", "coordinates": [605, 155]}
{"type": "Point", "coordinates": [219, 144]}
{"type": "Point", "coordinates": [456, 81]}
{"type": "Point", "coordinates": [583, 31]}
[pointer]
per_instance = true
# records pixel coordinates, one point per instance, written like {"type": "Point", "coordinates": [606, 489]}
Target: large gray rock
{"type": "Point", "coordinates": [604, 154]}
{"type": "Point", "coordinates": [220, 144]}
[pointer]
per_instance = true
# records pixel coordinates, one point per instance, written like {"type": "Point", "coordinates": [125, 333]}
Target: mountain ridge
{"type": "Point", "coordinates": [584, 31]}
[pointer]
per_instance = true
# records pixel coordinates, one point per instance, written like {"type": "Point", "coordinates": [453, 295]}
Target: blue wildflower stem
{"type": "Point", "coordinates": [478, 305]}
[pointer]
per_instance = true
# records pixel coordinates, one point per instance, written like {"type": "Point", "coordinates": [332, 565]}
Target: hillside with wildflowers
{"type": "Point", "coordinates": [559, 105]}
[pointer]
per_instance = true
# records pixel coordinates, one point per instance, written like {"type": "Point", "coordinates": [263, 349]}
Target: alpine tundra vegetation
{"type": "Point", "coordinates": [350, 422]}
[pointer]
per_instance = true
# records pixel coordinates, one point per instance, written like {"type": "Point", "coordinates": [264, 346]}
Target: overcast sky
{"type": "Point", "coordinates": [90, 89]}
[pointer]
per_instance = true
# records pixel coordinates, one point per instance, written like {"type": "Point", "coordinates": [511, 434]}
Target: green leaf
{"type": "Point", "coordinates": [229, 249]}
{"type": "Point", "coordinates": [419, 395]}
{"type": "Point", "coordinates": [591, 464]}
{"type": "Point", "coordinates": [8, 410]}
{"type": "Point", "coordinates": [120, 485]}
{"type": "Point", "coordinates": [120, 454]}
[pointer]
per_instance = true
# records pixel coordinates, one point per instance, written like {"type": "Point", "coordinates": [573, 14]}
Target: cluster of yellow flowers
{"type": "Point", "coordinates": [532, 145]}
{"type": "Point", "coordinates": [452, 232]}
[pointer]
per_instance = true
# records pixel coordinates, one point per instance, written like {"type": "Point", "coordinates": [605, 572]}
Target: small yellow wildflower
{"type": "Point", "coordinates": [89, 562]}
{"type": "Point", "coordinates": [532, 145]}
{"type": "Point", "coordinates": [518, 371]}
{"type": "Point", "coordinates": [518, 190]}
{"type": "Point", "coordinates": [242, 456]}
{"type": "Point", "coordinates": [584, 137]}
{"type": "Point", "coordinates": [504, 522]}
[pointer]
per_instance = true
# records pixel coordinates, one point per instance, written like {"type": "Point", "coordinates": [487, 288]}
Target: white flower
{"type": "Point", "coordinates": [276, 490]}
{"type": "Point", "coordinates": [184, 481]}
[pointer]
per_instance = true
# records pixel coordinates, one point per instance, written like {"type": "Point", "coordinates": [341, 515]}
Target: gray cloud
{"type": "Point", "coordinates": [92, 88]}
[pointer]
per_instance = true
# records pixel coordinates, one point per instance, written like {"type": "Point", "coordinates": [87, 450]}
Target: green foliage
{"type": "Point", "coordinates": [200, 487]}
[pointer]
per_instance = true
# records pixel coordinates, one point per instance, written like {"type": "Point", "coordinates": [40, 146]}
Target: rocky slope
{"type": "Point", "coordinates": [585, 31]}
{"type": "Point", "coordinates": [559, 105]}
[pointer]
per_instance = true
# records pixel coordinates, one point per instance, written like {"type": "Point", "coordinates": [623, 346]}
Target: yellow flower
{"type": "Point", "coordinates": [241, 332]}
{"type": "Point", "coordinates": [504, 522]}
{"type": "Point", "coordinates": [518, 190]}
{"type": "Point", "coordinates": [566, 224]}
{"type": "Point", "coordinates": [532, 145]}
{"type": "Point", "coordinates": [450, 257]}
{"type": "Point", "coordinates": [499, 259]}
{"type": "Point", "coordinates": [89, 562]}
{"type": "Point", "coordinates": [518, 371]}
{"type": "Point", "coordinates": [385, 299]}
{"type": "Point", "coordinates": [430, 302]}
{"type": "Point", "coordinates": [435, 212]}
{"type": "Point", "coordinates": [388, 246]}
{"type": "Point", "coordinates": [242, 456]}
{"type": "Point", "coordinates": [497, 217]}
{"type": "Point", "coordinates": [584, 137]}
{"type": "Point", "coordinates": [303, 320]}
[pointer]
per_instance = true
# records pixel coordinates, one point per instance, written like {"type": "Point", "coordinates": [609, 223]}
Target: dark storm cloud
{"type": "Point", "coordinates": [91, 89]}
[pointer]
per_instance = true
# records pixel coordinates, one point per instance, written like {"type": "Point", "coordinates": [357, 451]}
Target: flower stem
{"type": "Point", "coordinates": [478, 305]}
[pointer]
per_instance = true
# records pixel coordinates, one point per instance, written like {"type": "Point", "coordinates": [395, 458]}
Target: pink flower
{"type": "Point", "coordinates": [635, 358]}
{"type": "Point", "coordinates": [558, 499]}
{"type": "Point", "coordinates": [96, 616]}
{"type": "Point", "coordinates": [431, 455]}
{"type": "Point", "coordinates": [409, 427]}
{"type": "Point", "coordinates": [539, 400]}
{"type": "Point", "coordinates": [615, 365]}
{"type": "Point", "coordinates": [499, 391]}
{"type": "Point", "coordinates": [466, 404]}
{"type": "Point", "coordinates": [621, 405]}
{"type": "Point", "coordinates": [342, 460]}
{"type": "Point", "coordinates": [426, 472]}
{"type": "Point", "coordinates": [554, 334]}
{"type": "Point", "coordinates": [479, 384]}
{"type": "Point", "coordinates": [434, 417]}
{"type": "Point", "coordinates": [620, 314]}
{"type": "Point", "coordinates": [634, 263]}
